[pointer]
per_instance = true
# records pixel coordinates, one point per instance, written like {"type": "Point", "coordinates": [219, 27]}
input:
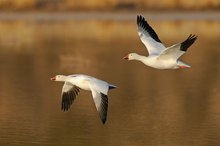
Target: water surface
{"type": "Point", "coordinates": [150, 107]}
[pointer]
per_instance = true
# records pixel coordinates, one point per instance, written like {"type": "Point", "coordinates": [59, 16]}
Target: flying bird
{"type": "Point", "coordinates": [159, 56]}
{"type": "Point", "coordinates": [74, 83]}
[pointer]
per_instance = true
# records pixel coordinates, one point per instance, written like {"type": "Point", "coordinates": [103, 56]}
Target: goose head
{"type": "Point", "coordinates": [58, 78]}
{"type": "Point", "coordinates": [131, 56]}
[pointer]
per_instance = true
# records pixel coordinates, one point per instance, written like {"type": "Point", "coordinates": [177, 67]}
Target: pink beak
{"type": "Point", "coordinates": [53, 79]}
{"type": "Point", "coordinates": [183, 67]}
{"type": "Point", "coordinates": [126, 57]}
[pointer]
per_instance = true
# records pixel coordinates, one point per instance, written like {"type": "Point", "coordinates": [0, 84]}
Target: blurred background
{"type": "Point", "coordinates": [42, 38]}
{"type": "Point", "coordinates": [112, 5]}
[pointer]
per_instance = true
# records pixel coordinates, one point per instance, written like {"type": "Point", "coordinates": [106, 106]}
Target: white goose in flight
{"type": "Point", "coordinates": [159, 57]}
{"type": "Point", "coordinates": [72, 86]}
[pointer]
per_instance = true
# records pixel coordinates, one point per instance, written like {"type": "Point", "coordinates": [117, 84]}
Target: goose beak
{"type": "Point", "coordinates": [53, 79]}
{"type": "Point", "coordinates": [182, 67]}
{"type": "Point", "coordinates": [126, 57]}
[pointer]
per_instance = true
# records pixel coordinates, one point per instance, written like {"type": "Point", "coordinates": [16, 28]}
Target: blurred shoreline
{"type": "Point", "coordinates": [109, 5]}
{"type": "Point", "coordinates": [109, 15]}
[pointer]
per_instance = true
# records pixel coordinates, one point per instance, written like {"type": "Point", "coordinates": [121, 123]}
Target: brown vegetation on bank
{"type": "Point", "coordinates": [73, 5]}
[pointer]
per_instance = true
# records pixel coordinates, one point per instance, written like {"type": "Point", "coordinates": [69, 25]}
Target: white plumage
{"type": "Point", "coordinates": [159, 57]}
{"type": "Point", "coordinates": [72, 86]}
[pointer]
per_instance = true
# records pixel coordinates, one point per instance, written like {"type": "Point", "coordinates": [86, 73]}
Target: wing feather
{"type": "Point", "coordinates": [101, 103]}
{"type": "Point", "coordinates": [177, 50]}
{"type": "Point", "coordinates": [100, 98]}
{"type": "Point", "coordinates": [149, 37]}
{"type": "Point", "coordinates": [69, 93]}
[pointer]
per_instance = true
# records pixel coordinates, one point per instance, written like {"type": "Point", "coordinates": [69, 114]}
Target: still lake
{"type": "Point", "coordinates": [150, 107]}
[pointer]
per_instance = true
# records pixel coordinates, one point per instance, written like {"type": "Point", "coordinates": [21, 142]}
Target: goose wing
{"type": "Point", "coordinates": [149, 37]}
{"type": "Point", "coordinates": [69, 93]}
{"type": "Point", "coordinates": [177, 50]}
{"type": "Point", "coordinates": [99, 93]}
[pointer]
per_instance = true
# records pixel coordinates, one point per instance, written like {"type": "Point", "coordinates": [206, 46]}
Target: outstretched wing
{"type": "Point", "coordinates": [101, 103]}
{"type": "Point", "coordinates": [177, 50]}
{"type": "Point", "coordinates": [69, 93]}
{"type": "Point", "coordinates": [149, 37]}
{"type": "Point", "coordinates": [99, 94]}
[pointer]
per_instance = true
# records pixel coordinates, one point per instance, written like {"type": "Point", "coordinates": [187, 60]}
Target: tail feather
{"type": "Point", "coordinates": [112, 86]}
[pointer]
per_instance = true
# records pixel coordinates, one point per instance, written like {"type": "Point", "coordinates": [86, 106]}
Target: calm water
{"type": "Point", "coordinates": [150, 107]}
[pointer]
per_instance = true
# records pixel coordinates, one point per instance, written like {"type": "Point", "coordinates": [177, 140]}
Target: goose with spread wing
{"type": "Point", "coordinates": [74, 83]}
{"type": "Point", "coordinates": [159, 57]}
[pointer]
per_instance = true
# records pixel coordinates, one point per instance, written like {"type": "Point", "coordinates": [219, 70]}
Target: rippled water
{"type": "Point", "coordinates": [149, 107]}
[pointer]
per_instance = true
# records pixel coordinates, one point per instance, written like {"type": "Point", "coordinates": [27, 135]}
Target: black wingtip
{"type": "Point", "coordinates": [141, 22]}
{"type": "Point", "coordinates": [188, 42]}
{"type": "Point", "coordinates": [139, 18]}
{"type": "Point", "coordinates": [67, 101]}
{"type": "Point", "coordinates": [68, 98]}
{"type": "Point", "coordinates": [103, 122]}
{"type": "Point", "coordinates": [104, 108]}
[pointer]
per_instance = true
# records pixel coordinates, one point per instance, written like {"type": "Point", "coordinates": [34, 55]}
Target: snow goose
{"type": "Point", "coordinates": [159, 57]}
{"type": "Point", "coordinates": [72, 86]}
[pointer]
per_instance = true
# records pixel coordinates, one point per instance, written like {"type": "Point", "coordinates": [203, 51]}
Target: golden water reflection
{"type": "Point", "coordinates": [150, 107]}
